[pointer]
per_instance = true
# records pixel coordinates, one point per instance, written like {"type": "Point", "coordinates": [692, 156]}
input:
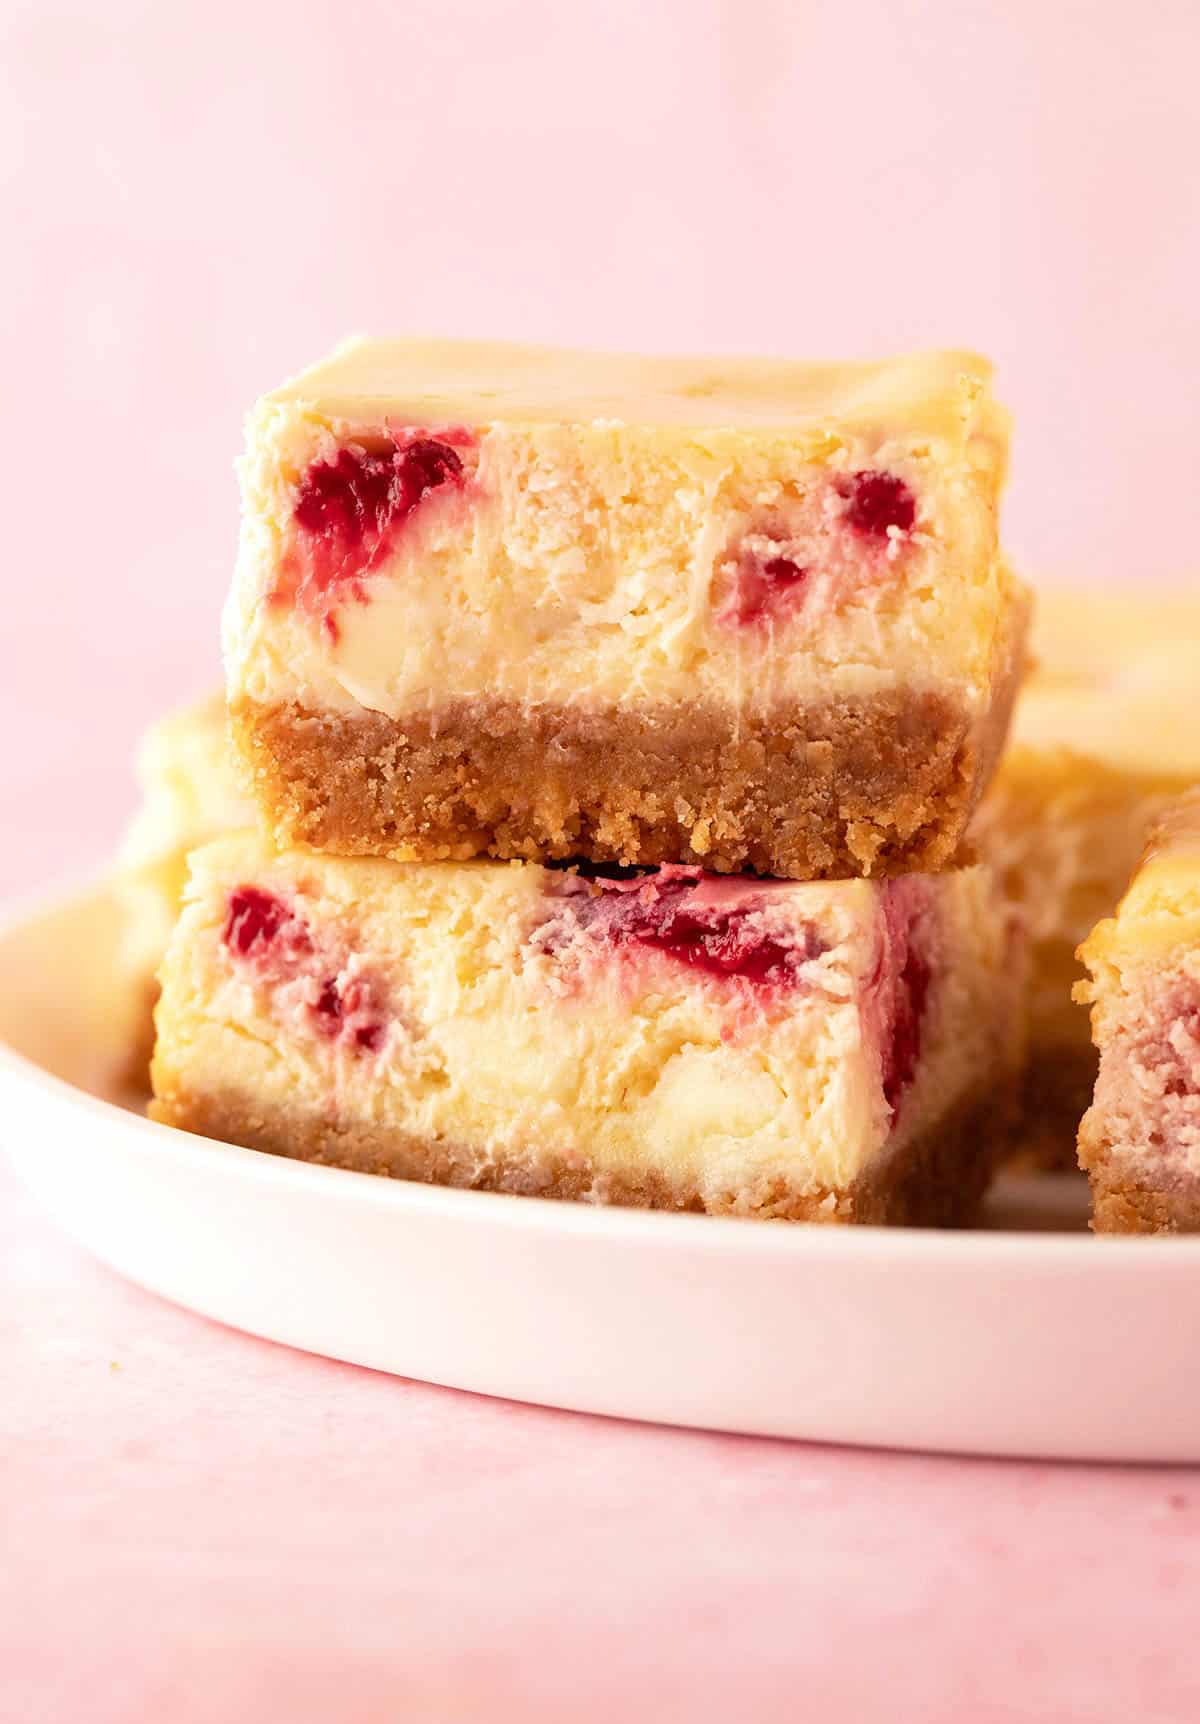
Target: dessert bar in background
{"type": "Point", "coordinates": [189, 794]}
{"type": "Point", "coordinates": [834, 1052]}
{"type": "Point", "coordinates": [1140, 1140]}
{"type": "Point", "coordinates": [1106, 734]}
{"type": "Point", "coordinates": [529, 603]}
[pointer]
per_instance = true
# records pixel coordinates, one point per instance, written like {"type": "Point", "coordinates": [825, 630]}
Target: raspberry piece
{"type": "Point", "coordinates": [720, 947]}
{"type": "Point", "coordinates": [783, 572]}
{"type": "Point", "coordinates": [253, 920]}
{"type": "Point", "coordinates": [349, 1013]}
{"type": "Point", "coordinates": [761, 586]}
{"type": "Point", "coordinates": [877, 501]}
{"type": "Point", "coordinates": [896, 997]}
{"type": "Point", "coordinates": [675, 914]}
{"type": "Point", "coordinates": [354, 500]}
{"type": "Point", "coordinates": [904, 1045]}
{"type": "Point", "coordinates": [260, 928]}
{"type": "Point", "coordinates": [719, 942]}
{"type": "Point", "coordinates": [328, 1008]}
{"type": "Point", "coordinates": [346, 516]}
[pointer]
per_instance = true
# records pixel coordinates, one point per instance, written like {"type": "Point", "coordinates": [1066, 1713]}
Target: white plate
{"type": "Point", "coordinates": [1036, 1342]}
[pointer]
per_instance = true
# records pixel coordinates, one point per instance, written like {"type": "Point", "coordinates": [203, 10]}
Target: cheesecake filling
{"type": "Point", "coordinates": [382, 564]}
{"type": "Point", "coordinates": [317, 987]}
{"type": "Point", "coordinates": [717, 1036]}
{"type": "Point", "coordinates": [1148, 1090]}
{"type": "Point", "coordinates": [352, 507]}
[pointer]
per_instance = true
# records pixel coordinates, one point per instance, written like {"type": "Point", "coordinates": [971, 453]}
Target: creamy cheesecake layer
{"type": "Point", "coordinates": [672, 1038]}
{"type": "Point", "coordinates": [597, 545]}
{"type": "Point", "coordinates": [1105, 735]}
{"type": "Point", "coordinates": [1140, 1140]}
{"type": "Point", "coordinates": [560, 526]}
{"type": "Point", "coordinates": [190, 793]}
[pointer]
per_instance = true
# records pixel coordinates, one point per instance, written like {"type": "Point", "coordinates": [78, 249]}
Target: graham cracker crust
{"type": "Point", "coordinates": [937, 1180]}
{"type": "Point", "coordinates": [881, 786]}
{"type": "Point", "coordinates": [1122, 1204]}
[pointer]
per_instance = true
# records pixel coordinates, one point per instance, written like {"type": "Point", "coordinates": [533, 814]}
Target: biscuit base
{"type": "Point", "coordinates": [935, 1180]}
{"type": "Point", "coordinates": [1122, 1203]}
{"type": "Point", "coordinates": [879, 786]}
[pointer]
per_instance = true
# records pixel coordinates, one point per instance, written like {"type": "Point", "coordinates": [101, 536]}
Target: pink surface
{"type": "Point", "coordinates": [195, 1526]}
{"type": "Point", "coordinates": [198, 1526]}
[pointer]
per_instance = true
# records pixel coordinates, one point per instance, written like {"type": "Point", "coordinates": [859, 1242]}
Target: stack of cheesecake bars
{"type": "Point", "coordinates": [608, 814]}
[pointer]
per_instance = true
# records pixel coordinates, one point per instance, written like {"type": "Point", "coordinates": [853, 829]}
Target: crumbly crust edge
{"type": "Point", "coordinates": [879, 786]}
{"type": "Point", "coordinates": [937, 1179]}
{"type": "Point", "coordinates": [1123, 1202]}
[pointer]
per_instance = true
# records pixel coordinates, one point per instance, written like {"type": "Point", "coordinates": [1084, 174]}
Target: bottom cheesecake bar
{"type": "Point", "coordinates": [1140, 1139]}
{"type": "Point", "coordinates": [670, 1039]}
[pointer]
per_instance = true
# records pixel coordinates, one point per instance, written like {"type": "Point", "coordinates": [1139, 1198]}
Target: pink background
{"type": "Point", "coordinates": [199, 198]}
{"type": "Point", "coordinates": [196, 200]}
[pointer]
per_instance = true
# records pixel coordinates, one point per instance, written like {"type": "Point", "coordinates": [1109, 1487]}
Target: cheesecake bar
{"type": "Point", "coordinates": [518, 602]}
{"type": "Point", "coordinates": [1140, 1139]}
{"type": "Point", "coordinates": [670, 1038]}
{"type": "Point", "coordinates": [1106, 734]}
{"type": "Point", "coordinates": [189, 795]}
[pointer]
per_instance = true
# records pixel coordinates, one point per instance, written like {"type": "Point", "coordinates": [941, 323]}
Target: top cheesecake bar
{"type": "Point", "coordinates": [513, 601]}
